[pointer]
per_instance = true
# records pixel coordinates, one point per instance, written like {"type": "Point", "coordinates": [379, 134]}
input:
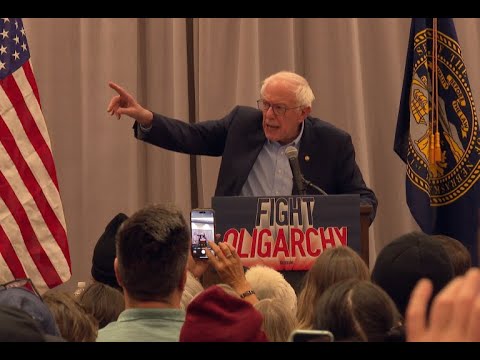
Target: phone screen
{"type": "Point", "coordinates": [202, 223]}
{"type": "Point", "coordinates": [311, 336]}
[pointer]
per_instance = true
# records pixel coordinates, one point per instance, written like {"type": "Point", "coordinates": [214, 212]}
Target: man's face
{"type": "Point", "coordinates": [277, 127]}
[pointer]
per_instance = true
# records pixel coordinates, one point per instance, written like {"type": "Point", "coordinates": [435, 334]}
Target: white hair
{"type": "Point", "coordinates": [302, 89]}
{"type": "Point", "coordinates": [270, 284]}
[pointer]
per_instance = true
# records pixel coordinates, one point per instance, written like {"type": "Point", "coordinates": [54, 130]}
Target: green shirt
{"type": "Point", "coordinates": [144, 325]}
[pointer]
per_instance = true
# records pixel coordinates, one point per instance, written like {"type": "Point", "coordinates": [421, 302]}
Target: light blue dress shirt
{"type": "Point", "coordinates": [271, 174]}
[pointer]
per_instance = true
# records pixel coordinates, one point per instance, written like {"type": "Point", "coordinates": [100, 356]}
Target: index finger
{"type": "Point", "coordinates": [121, 91]}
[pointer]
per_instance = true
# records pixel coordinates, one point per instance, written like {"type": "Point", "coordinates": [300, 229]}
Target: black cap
{"type": "Point", "coordinates": [104, 253]}
{"type": "Point", "coordinates": [406, 260]}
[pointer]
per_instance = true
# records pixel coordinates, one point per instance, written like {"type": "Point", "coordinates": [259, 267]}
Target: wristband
{"type": "Point", "coordinates": [247, 293]}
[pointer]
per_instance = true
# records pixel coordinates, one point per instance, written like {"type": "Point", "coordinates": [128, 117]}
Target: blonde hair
{"type": "Point", "coordinates": [192, 288]}
{"type": "Point", "coordinates": [332, 266]}
{"type": "Point", "coordinates": [278, 321]}
{"type": "Point", "coordinates": [74, 323]}
{"type": "Point", "coordinates": [302, 90]}
{"type": "Point", "coordinates": [269, 283]}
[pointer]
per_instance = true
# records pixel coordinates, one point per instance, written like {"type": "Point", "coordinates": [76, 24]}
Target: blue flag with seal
{"type": "Point", "coordinates": [437, 134]}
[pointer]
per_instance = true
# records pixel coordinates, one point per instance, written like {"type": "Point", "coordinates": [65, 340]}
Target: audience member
{"type": "Point", "coordinates": [333, 265]}
{"type": "Point", "coordinates": [406, 260]}
{"type": "Point", "coordinates": [18, 326]}
{"type": "Point", "coordinates": [104, 253]}
{"type": "Point", "coordinates": [103, 302]}
{"type": "Point", "coordinates": [192, 288]}
{"type": "Point", "coordinates": [75, 324]}
{"type": "Point", "coordinates": [228, 266]}
{"type": "Point", "coordinates": [358, 310]}
{"type": "Point", "coordinates": [196, 268]}
{"type": "Point", "coordinates": [152, 249]}
{"type": "Point", "coordinates": [216, 316]}
{"type": "Point", "coordinates": [454, 315]}
{"type": "Point", "coordinates": [270, 284]}
{"type": "Point", "coordinates": [30, 302]}
{"type": "Point", "coordinates": [458, 253]}
{"type": "Point", "coordinates": [278, 319]}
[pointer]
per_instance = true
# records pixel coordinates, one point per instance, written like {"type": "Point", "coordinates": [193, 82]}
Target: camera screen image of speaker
{"type": "Point", "coordinates": [203, 231]}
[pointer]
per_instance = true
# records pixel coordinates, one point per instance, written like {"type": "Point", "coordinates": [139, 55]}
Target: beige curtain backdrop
{"type": "Point", "coordinates": [355, 67]}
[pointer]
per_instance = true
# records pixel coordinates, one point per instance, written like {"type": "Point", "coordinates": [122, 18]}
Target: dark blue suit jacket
{"type": "Point", "coordinates": [326, 155]}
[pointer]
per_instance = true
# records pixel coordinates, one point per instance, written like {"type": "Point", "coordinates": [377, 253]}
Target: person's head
{"type": "Point", "coordinates": [269, 283]}
{"type": "Point", "coordinates": [217, 316]}
{"type": "Point", "coordinates": [286, 100]}
{"type": "Point", "coordinates": [278, 319]}
{"type": "Point", "coordinates": [103, 302]}
{"type": "Point", "coordinates": [18, 326]}
{"type": "Point", "coordinates": [152, 253]}
{"type": "Point", "coordinates": [192, 288]}
{"type": "Point", "coordinates": [31, 302]}
{"type": "Point", "coordinates": [357, 310]}
{"type": "Point", "coordinates": [407, 259]}
{"type": "Point", "coordinates": [75, 324]}
{"type": "Point", "coordinates": [333, 265]}
{"type": "Point", "coordinates": [458, 253]}
{"type": "Point", "coordinates": [104, 253]}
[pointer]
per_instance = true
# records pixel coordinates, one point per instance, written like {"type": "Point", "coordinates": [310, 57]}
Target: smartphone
{"type": "Point", "coordinates": [311, 336]}
{"type": "Point", "coordinates": [202, 223]}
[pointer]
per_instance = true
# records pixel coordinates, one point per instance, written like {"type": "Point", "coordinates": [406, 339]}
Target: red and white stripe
{"type": "Point", "coordinates": [33, 238]}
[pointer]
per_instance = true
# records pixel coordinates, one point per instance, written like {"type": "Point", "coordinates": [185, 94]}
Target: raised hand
{"type": "Point", "coordinates": [124, 103]}
{"type": "Point", "coordinates": [226, 262]}
{"type": "Point", "coordinates": [455, 311]}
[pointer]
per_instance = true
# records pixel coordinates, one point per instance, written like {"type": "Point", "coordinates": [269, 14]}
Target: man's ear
{"type": "Point", "coordinates": [183, 280]}
{"type": "Point", "coordinates": [117, 272]}
{"type": "Point", "coordinates": [306, 111]}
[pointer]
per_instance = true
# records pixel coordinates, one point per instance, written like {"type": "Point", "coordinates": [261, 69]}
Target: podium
{"type": "Point", "coordinates": [288, 233]}
{"type": "Point", "coordinates": [365, 211]}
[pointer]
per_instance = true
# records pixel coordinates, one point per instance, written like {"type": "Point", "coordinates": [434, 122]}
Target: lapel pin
{"type": "Point", "coordinates": [307, 158]}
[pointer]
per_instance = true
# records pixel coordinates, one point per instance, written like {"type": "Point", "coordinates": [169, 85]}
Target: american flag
{"type": "Point", "coordinates": [33, 236]}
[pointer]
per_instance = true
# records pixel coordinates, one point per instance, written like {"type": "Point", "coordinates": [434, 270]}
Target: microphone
{"type": "Point", "coordinates": [299, 181]}
{"type": "Point", "coordinates": [313, 186]}
{"type": "Point", "coordinates": [292, 154]}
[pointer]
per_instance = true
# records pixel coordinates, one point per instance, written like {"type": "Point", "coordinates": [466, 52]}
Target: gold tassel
{"type": "Point", "coordinates": [431, 152]}
{"type": "Point", "coordinates": [438, 150]}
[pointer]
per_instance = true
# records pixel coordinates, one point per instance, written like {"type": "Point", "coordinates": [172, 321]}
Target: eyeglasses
{"type": "Point", "coordinates": [279, 110]}
{"type": "Point", "coordinates": [26, 282]}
